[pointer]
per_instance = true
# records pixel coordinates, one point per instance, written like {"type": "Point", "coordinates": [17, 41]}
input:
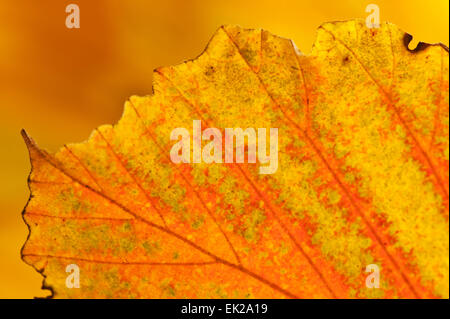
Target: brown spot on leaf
{"type": "Point", "coordinates": [420, 46]}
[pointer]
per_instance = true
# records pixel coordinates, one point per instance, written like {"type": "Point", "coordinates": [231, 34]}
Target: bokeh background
{"type": "Point", "coordinates": [59, 84]}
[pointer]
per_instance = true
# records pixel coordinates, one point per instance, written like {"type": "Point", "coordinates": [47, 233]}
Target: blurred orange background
{"type": "Point", "coordinates": [59, 84]}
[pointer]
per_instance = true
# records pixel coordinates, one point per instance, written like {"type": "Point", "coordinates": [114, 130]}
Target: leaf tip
{"type": "Point", "coordinates": [28, 140]}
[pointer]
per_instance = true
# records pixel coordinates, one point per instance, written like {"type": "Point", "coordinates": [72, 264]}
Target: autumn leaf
{"type": "Point", "coordinates": [362, 177]}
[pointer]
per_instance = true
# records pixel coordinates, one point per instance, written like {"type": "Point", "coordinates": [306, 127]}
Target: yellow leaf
{"type": "Point", "coordinates": [362, 177]}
